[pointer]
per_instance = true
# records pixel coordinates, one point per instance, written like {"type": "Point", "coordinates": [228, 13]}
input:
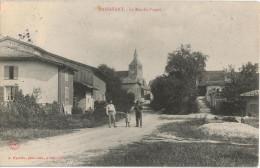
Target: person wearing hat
{"type": "Point", "coordinates": [111, 112]}
{"type": "Point", "coordinates": [138, 113]}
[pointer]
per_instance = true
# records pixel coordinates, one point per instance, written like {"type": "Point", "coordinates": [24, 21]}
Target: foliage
{"type": "Point", "coordinates": [121, 99]}
{"type": "Point", "coordinates": [176, 91]}
{"type": "Point", "coordinates": [239, 82]}
{"type": "Point", "coordinates": [100, 106]}
{"type": "Point", "coordinates": [77, 110]}
{"type": "Point", "coordinates": [25, 112]}
{"type": "Point", "coordinates": [230, 119]}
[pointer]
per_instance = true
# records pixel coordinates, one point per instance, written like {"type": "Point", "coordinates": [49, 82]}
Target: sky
{"type": "Point", "coordinates": [228, 32]}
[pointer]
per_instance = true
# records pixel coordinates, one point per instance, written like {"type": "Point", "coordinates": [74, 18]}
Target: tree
{"type": "Point", "coordinates": [177, 90]}
{"type": "Point", "coordinates": [122, 100]}
{"type": "Point", "coordinates": [247, 79]}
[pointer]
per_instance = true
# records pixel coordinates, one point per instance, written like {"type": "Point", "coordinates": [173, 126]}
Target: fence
{"type": "Point", "coordinates": [214, 98]}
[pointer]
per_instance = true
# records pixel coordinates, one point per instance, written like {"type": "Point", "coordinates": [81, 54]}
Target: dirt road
{"type": "Point", "coordinates": [75, 148]}
{"type": "Point", "coordinates": [72, 149]}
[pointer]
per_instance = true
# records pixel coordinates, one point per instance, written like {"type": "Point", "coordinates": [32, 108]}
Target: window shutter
{"type": "Point", "coordinates": [16, 90]}
{"type": "Point", "coordinates": [66, 95]}
{"type": "Point", "coordinates": [6, 73]}
{"type": "Point", "coordinates": [15, 72]}
{"type": "Point", "coordinates": [1, 94]}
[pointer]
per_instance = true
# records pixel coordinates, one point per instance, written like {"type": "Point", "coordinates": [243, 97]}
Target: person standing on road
{"type": "Point", "coordinates": [127, 118]}
{"type": "Point", "coordinates": [111, 112]}
{"type": "Point", "coordinates": [138, 113]}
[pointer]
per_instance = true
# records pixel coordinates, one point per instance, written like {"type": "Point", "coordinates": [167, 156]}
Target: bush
{"type": "Point", "coordinates": [229, 108]}
{"type": "Point", "coordinates": [230, 119]}
{"type": "Point", "coordinates": [100, 106]}
{"type": "Point", "coordinates": [25, 112]}
{"type": "Point", "coordinates": [77, 110]}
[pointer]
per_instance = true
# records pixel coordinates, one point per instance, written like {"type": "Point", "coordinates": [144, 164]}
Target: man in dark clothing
{"type": "Point", "coordinates": [138, 113]}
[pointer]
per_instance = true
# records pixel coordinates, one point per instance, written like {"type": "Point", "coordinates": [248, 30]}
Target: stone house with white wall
{"type": "Point", "coordinates": [26, 67]}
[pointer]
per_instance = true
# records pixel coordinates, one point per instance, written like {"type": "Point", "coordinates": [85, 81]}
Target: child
{"type": "Point", "coordinates": [127, 118]}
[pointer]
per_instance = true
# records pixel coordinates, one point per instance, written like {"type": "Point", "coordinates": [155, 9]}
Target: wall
{"type": "Point", "coordinates": [252, 101]}
{"type": "Point", "coordinates": [33, 74]}
{"type": "Point", "coordinates": [89, 100]}
{"type": "Point", "coordinates": [62, 84]}
{"type": "Point", "coordinates": [101, 85]}
{"type": "Point", "coordinates": [84, 75]}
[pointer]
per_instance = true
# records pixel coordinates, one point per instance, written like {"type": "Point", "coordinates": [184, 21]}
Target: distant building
{"type": "Point", "coordinates": [252, 102]}
{"type": "Point", "coordinates": [26, 67]}
{"type": "Point", "coordinates": [133, 80]}
{"type": "Point", "coordinates": [211, 80]}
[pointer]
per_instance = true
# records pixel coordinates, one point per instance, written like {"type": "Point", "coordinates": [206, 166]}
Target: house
{"type": "Point", "coordinates": [211, 80]}
{"type": "Point", "coordinates": [26, 67]}
{"type": "Point", "coordinates": [133, 80]}
{"type": "Point", "coordinates": [252, 102]}
{"type": "Point", "coordinates": [89, 86]}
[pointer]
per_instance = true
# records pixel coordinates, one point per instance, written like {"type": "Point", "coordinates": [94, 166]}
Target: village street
{"type": "Point", "coordinates": [80, 147]}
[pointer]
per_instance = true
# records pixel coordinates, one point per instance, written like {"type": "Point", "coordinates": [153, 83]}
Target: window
{"type": "Point", "coordinates": [66, 95]}
{"type": "Point", "coordinates": [11, 72]}
{"type": "Point", "coordinates": [66, 76]}
{"type": "Point", "coordinates": [10, 93]}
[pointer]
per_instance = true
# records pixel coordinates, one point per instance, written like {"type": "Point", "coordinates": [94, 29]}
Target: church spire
{"type": "Point", "coordinates": [135, 60]}
{"type": "Point", "coordinates": [135, 68]}
{"type": "Point", "coordinates": [135, 54]}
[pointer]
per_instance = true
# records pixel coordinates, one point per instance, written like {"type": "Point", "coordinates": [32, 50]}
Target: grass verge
{"type": "Point", "coordinates": [24, 134]}
{"type": "Point", "coordinates": [74, 122]}
{"type": "Point", "coordinates": [179, 154]}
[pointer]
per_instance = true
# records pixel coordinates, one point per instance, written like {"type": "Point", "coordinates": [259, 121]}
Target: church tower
{"type": "Point", "coordinates": [135, 68]}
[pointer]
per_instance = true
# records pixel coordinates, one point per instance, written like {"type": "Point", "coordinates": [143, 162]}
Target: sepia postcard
{"type": "Point", "coordinates": [129, 83]}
